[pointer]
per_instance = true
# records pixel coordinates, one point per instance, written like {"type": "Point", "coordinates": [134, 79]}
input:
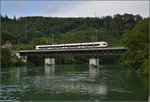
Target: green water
{"type": "Point", "coordinates": [73, 83]}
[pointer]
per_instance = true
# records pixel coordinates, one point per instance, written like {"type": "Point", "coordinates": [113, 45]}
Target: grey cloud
{"type": "Point", "coordinates": [56, 8]}
{"type": "Point", "coordinates": [53, 10]}
{"type": "Point", "coordinates": [18, 4]}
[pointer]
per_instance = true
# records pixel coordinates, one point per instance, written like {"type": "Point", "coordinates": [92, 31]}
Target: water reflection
{"type": "Point", "coordinates": [49, 70]}
{"type": "Point", "coordinates": [23, 71]}
{"type": "Point", "coordinates": [11, 83]}
{"type": "Point", "coordinates": [73, 83]}
{"type": "Point", "coordinates": [20, 71]}
{"type": "Point", "coordinates": [63, 84]}
{"type": "Point", "coordinates": [13, 74]}
{"type": "Point", "coordinates": [93, 71]}
{"type": "Point", "coordinates": [66, 84]}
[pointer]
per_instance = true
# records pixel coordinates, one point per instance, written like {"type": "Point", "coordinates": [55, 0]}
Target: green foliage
{"type": "Point", "coordinates": [14, 60]}
{"type": "Point", "coordinates": [5, 56]}
{"type": "Point", "coordinates": [27, 32]}
{"type": "Point", "coordinates": [137, 41]}
{"type": "Point", "coordinates": [41, 29]}
{"type": "Point", "coordinates": [145, 66]}
{"type": "Point", "coordinates": [67, 59]}
{"type": "Point", "coordinates": [6, 36]}
{"type": "Point", "coordinates": [22, 46]}
{"type": "Point", "coordinates": [8, 59]}
{"type": "Point", "coordinates": [36, 60]}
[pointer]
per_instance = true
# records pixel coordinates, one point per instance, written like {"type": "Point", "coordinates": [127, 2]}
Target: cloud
{"type": "Point", "coordinates": [55, 6]}
{"type": "Point", "coordinates": [18, 4]}
{"type": "Point", "coordinates": [74, 8]}
{"type": "Point", "coordinates": [103, 8]}
{"type": "Point", "coordinates": [53, 10]}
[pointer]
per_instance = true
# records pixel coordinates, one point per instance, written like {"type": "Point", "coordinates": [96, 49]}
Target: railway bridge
{"type": "Point", "coordinates": [50, 60]}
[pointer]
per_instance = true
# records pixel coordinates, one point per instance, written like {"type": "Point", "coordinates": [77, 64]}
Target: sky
{"type": "Point", "coordinates": [62, 8]}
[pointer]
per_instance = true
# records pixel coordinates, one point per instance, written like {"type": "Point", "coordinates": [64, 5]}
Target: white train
{"type": "Point", "coordinates": [73, 45]}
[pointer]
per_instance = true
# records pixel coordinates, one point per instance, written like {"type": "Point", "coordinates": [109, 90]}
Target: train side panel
{"type": "Point", "coordinates": [73, 45]}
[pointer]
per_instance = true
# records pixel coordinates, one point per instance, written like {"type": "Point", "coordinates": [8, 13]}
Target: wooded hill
{"type": "Point", "coordinates": [41, 30]}
{"type": "Point", "coordinates": [127, 30]}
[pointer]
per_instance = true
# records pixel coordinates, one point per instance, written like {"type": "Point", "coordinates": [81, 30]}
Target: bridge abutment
{"type": "Point", "coordinates": [93, 62]}
{"type": "Point", "coordinates": [49, 61]}
{"type": "Point", "coordinates": [23, 58]}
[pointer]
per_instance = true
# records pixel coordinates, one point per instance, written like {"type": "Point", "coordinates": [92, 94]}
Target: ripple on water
{"type": "Point", "coordinates": [8, 92]}
{"type": "Point", "coordinates": [82, 83]}
{"type": "Point", "coordinates": [121, 90]}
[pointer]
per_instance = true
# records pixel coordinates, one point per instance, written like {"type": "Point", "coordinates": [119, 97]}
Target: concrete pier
{"type": "Point", "coordinates": [49, 61]}
{"type": "Point", "coordinates": [24, 58]}
{"type": "Point", "coordinates": [94, 62]}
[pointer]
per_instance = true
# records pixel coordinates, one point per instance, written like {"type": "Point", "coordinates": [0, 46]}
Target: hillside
{"type": "Point", "coordinates": [26, 32]}
{"type": "Point", "coordinates": [127, 30]}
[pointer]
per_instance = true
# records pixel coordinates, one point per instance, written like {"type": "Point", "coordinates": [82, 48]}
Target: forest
{"type": "Point", "coordinates": [127, 30]}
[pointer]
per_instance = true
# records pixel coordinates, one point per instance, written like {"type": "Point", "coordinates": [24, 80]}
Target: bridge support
{"type": "Point", "coordinates": [23, 58]}
{"type": "Point", "coordinates": [94, 62]}
{"type": "Point", "coordinates": [49, 61]}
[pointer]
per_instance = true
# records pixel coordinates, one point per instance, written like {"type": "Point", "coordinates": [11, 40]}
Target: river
{"type": "Point", "coordinates": [73, 83]}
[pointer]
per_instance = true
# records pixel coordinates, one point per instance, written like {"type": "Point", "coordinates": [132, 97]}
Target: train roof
{"type": "Point", "coordinates": [74, 43]}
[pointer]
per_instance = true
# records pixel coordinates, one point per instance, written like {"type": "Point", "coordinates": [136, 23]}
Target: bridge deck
{"type": "Point", "coordinates": [77, 49]}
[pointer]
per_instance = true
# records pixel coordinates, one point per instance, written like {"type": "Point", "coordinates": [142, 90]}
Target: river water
{"type": "Point", "coordinates": [73, 83]}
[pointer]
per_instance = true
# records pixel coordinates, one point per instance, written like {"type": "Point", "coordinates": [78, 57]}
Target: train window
{"type": "Point", "coordinates": [104, 43]}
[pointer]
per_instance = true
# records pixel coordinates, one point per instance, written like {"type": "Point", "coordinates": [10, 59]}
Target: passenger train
{"type": "Point", "coordinates": [73, 45]}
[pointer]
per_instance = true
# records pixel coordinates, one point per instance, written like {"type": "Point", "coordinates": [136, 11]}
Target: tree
{"type": "Point", "coordinates": [137, 41]}
{"type": "Point", "coordinates": [5, 56]}
{"type": "Point", "coordinates": [14, 18]}
{"type": "Point", "coordinates": [27, 32]}
{"type": "Point", "coordinates": [5, 36]}
{"type": "Point", "coordinates": [8, 59]}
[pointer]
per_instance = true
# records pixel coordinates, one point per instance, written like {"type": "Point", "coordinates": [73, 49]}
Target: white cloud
{"type": "Point", "coordinates": [104, 8]}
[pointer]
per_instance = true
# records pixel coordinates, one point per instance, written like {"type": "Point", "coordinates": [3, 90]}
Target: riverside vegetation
{"type": "Point", "coordinates": [127, 30]}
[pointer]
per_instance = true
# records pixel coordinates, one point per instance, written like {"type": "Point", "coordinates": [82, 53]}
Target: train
{"type": "Point", "coordinates": [73, 46]}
